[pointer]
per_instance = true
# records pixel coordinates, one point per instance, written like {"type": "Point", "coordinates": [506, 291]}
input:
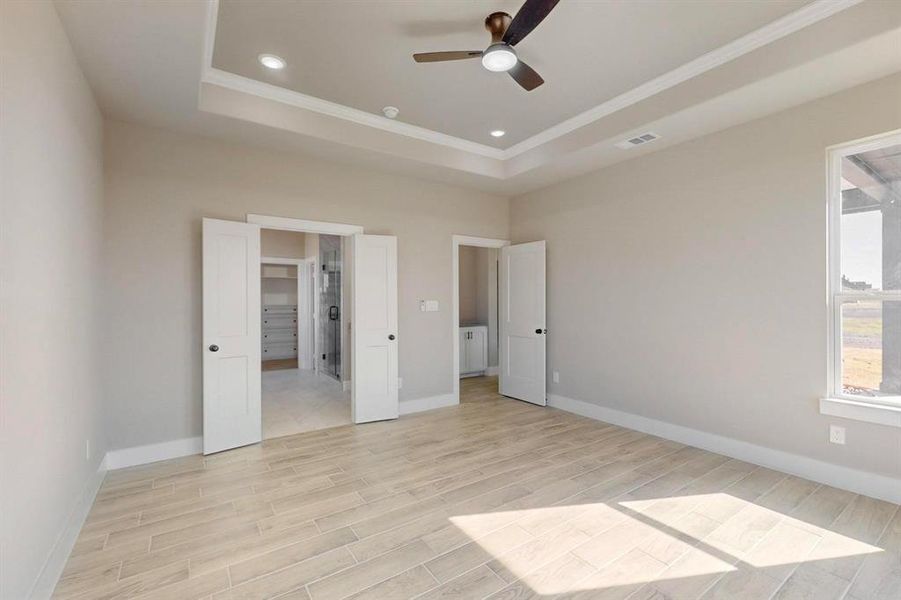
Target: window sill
{"type": "Point", "coordinates": [861, 411]}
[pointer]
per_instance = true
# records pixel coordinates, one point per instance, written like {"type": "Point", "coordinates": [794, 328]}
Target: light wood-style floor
{"type": "Point", "coordinates": [279, 364]}
{"type": "Point", "coordinates": [490, 499]}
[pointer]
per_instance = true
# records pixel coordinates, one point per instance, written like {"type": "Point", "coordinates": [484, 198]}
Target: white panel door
{"type": "Point", "coordinates": [374, 326]}
{"type": "Point", "coordinates": [522, 322]}
{"type": "Point", "coordinates": [231, 335]}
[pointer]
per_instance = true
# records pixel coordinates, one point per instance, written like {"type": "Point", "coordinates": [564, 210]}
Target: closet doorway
{"type": "Point", "coordinates": [302, 332]}
{"type": "Point", "coordinates": [475, 313]}
{"type": "Point", "coordinates": [519, 279]}
{"type": "Point", "coordinates": [285, 324]}
{"type": "Point", "coordinates": [232, 331]}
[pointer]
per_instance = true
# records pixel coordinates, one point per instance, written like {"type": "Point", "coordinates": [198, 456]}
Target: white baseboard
{"type": "Point", "coordinates": [489, 372]}
{"type": "Point", "coordinates": [53, 567]}
{"type": "Point", "coordinates": [861, 482]}
{"type": "Point", "coordinates": [428, 403]}
{"type": "Point", "coordinates": [141, 455]}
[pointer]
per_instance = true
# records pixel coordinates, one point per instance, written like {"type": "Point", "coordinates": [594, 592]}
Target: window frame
{"type": "Point", "coordinates": [835, 295]}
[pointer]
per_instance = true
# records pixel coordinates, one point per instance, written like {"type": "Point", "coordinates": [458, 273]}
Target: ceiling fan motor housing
{"type": "Point", "coordinates": [496, 24]}
{"type": "Point", "coordinates": [499, 56]}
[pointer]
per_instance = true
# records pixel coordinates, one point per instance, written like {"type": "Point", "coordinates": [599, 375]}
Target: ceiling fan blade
{"type": "Point", "coordinates": [424, 57]}
{"type": "Point", "coordinates": [529, 16]}
{"type": "Point", "coordinates": [525, 76]}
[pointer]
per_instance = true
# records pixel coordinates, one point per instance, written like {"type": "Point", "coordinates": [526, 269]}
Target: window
{"type": "Point", "coordinates": [865, 271]}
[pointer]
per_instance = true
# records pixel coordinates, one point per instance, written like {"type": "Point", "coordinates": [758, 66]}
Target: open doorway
{"type": "Point", "coordinates": [302, 332]}
{"type": "Point", "coordinates": [477, 318]}
{"type": "Point", "coordinates": [232, 326]}
{"type": "Point", "coordinates": [515, 364]}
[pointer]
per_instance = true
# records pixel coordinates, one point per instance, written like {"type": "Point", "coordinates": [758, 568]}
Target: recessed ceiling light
{"type": "Point", "coordinates": [271, 61]}
{"type": "Point", "coordinates": [499, 57]}
{"type": "Point", "coordinates": [498, 133]}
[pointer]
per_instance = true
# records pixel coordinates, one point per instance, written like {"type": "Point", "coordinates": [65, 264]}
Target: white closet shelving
{"type": "Point", "coordinates": [279, 316]}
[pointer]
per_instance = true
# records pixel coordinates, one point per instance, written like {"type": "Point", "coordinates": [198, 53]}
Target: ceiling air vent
{"type": "Point", "coordinates": [638, 140]}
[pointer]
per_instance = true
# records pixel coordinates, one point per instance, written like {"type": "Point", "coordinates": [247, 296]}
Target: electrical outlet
{"type": "Point", "coordinates": [837, 434]}
{"type": "Point", "coordinates": [556, 376]}
{"type": "Point", "coordinates": [87, 450]}
{"type": "Point", "coordinates": [400, 382]}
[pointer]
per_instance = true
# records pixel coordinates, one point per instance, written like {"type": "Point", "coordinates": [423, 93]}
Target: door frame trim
{"type": "Point", "coordinates": [303, 225]}
{"type": "Point", "coordinates": [456, 242]}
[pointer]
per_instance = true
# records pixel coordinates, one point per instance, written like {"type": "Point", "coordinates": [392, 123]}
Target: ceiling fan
{"type": "Point", "coordinates": [506, 32]}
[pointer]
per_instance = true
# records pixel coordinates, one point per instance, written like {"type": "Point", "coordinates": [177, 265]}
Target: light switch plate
{"type": "Point", "coordinates": [556, 376]}
{"type": "Point", "coordinates": [431, 306]}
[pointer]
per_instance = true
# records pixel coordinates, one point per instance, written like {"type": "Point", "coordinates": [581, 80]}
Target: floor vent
{"type": "Point", "coordinates": [637, 140]}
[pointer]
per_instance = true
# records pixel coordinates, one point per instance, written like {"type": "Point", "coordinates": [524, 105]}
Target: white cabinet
{"type": "Point", "coordinates": [473, 350]}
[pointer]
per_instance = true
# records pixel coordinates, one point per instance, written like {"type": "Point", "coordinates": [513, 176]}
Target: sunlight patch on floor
{"type": "Point", "coordinates": [627, 544]}
{"type": "Point", "coordinates": [592, 535]}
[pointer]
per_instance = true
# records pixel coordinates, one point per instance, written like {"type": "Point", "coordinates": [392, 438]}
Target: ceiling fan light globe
{"type": "Point", "coordinates": [499, 58]}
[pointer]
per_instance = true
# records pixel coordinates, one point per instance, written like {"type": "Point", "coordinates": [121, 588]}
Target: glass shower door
{"type": "Point", "coordinates": [330, 304]}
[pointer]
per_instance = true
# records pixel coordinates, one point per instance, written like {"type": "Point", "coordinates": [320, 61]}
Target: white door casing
{"type": "Point", "coordinates": [374, 326]}
{"type": "Point", "coordinates": [522, 322]}
{"type": "Point", "coordinates": [231, 335]}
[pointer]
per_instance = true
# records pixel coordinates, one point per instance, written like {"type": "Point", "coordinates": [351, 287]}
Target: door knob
{"type": "Point", "coordinates": [391, 337]}
{"type": "Point", "coordinates": [214, 348]}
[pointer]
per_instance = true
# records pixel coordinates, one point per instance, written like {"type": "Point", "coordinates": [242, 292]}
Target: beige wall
{"type": "Point", "coordinates": [283, 244]}
{"type": "Point", "coordinates": [158, 187]}
{"type": "Point", "coordinates": [50, 252]}
{"type": "Point", "coordinates": [689, 285]}
{"type": "Point", "coordinates": [469, 286]}
{"type": "Point", "coordinates": [311, 245]}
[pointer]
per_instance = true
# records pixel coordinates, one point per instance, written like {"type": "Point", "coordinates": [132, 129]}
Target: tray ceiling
{"type": "Point", "coordinates": [358, 54]}
{"type": "Point", "coordinates": [678, 71]}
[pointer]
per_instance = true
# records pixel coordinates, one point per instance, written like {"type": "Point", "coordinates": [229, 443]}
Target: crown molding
{"type": "Point", "coordinates": [268, 91]}
{"type": "Point", "coordinates": [769, 33]}
{"type": "Point", "coordinates": [805, 16]}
